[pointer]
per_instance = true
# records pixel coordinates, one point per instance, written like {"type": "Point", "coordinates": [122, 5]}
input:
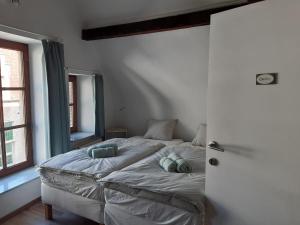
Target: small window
{"type": "Point", "coordinates": [15, 118]}
{"type": "Point", "coordinates": [73, 103]}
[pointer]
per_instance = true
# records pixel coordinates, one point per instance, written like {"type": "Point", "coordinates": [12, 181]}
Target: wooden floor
{"type": "Point", "coordinates": [34, 215]}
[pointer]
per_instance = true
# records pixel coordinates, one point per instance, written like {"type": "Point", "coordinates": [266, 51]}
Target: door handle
{"type": "Point", "coordinates": [215, 146]}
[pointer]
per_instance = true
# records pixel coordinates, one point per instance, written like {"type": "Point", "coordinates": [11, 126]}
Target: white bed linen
{"type": "Point", "coordinates": [77, 173]}
{"type": "Point", "coordinates": [123, 209]}
{"type": "Point", "coordinates": [153, 141]}
{"type": "Point", "coordinates": [146, 181]}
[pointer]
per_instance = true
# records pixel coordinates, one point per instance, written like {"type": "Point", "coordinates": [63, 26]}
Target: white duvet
{"type": "Point", "coordinates": [146, 179]}
{"type": "Point", "coordinates": [79, 174]}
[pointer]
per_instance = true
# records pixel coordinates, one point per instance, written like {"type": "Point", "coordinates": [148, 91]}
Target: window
{"type": "Point", "coordinates": [73, 102]}
{"type": "Point", "coordinates": [15, 118]}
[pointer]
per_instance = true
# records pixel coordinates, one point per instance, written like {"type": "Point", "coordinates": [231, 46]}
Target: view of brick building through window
{"type": "Point", "coordinates": [13, 106]}
{"type": "Point", "coordinates": [73, 102]}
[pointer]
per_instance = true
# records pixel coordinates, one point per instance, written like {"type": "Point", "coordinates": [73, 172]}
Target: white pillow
{"type": "Point", "coordinates": [161, 129]}
{"type": "Point", "coordinates": [200, 138]}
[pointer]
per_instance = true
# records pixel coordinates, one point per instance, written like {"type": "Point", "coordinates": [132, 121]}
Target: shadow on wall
{"type": "Point", "coordinates": [134, 108]}
{"type": "Point", "coordinates": [145, 101]}
{"type": "Point", "coordinates": [158, 76]}
{"type": "Point", "coordinates": [114, 100]}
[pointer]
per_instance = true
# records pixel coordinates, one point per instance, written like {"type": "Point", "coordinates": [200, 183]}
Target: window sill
{"type": "Point", "coordinates": [78, 136]}
{"type": "Point", "coordinates": [85, 142]}
{"type": "Point", "coordinates": [17, 179]}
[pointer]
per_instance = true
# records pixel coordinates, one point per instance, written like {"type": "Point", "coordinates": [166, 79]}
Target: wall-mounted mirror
{"type": "Point", "coordinates": [82, 109]}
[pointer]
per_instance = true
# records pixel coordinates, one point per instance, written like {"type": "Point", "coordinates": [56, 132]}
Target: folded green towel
{"type": "Point", "coordinates": [104, 152]}
{"type": "Point", "coordinates": [167, 164]}
{"type": "Point", "coordinates": [90, 149]}
{"type": "Point", "coordinates": [182, 165]}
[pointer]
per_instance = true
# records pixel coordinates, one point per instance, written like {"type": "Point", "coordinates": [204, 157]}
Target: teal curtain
{"type": "Point", "coordinates": [58, 98]}
{"type": "Point", "coordinates": [99, 107]}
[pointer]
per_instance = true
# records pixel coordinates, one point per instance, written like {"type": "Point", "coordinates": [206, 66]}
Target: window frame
{"type": "Point", "coordinates": [73, 80]}
{"type": "Point", "coordinates": [11, 45]}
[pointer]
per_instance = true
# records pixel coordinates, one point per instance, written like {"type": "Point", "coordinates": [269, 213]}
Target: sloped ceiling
{"type": "Point", "coordinates": [95, 13]}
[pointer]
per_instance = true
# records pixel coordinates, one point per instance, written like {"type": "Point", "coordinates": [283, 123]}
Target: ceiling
{"type": "Point", "coordinates": [97, 13]}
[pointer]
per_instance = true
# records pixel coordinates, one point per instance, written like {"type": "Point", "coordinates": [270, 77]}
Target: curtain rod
{"type": "Point", "coordinates": [28, 34]}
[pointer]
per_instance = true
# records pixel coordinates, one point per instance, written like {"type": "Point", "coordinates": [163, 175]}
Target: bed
{"type": "Point", "coordinates": [72, 180]}
{"type": "Point", "coordinates": [143, 193]}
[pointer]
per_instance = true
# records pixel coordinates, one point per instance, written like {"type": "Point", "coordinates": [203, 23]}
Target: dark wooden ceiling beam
{"type": "Point", "coordinates": [192, 19]}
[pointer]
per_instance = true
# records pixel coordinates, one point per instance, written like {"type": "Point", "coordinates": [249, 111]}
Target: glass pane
{"type": "Point", "coordinates": [11, 68]}
{"type": "Point", "coordinates": [13, 108]}
{"type": "Point", "coordinates": [71, 97]}
{"type": "Point", "coordinates": [71, 116]}
{"type": "Point", "coordinates": [15, 145]}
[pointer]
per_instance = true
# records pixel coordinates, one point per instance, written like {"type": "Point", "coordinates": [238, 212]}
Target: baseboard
{"type": "Point", "coordinates": [14, 213]}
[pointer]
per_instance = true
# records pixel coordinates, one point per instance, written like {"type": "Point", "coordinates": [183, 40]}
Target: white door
{"type": "Point", "coordinates": [257, 181]}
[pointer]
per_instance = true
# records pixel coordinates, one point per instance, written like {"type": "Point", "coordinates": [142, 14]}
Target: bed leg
{"type": "Point", "coordinates": [48, 212]}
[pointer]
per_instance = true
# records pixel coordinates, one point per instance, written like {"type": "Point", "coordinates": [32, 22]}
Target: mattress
{"type": "Point", "coordinates": [77, 173]}
{"type": "Point", "coordinates": [146, 181]}
{"type": "Point", "coordinates": [88, 208]}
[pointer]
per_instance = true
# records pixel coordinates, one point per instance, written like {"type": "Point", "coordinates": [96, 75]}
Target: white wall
{"type": "Point", "coordinates": [20, 196]}
{"type": "Point", "coordinates": [259, 181]}
{"type": "Point", "coordinates": [86, 103]}
{"type": "Point", "coordinates": [159, 75]}
{"type": "Point", "coordinates": [56, 18]}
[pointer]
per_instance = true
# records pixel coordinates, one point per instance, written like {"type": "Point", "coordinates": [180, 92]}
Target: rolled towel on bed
{"type": "Point", "coordinates": [104, 152]}
{"type": "Point", "coordinates": [168, 164]}
{"type": "Point", "coordinates": [182, 165]}
{"type": "Point", "coordinates": [102, 146]}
